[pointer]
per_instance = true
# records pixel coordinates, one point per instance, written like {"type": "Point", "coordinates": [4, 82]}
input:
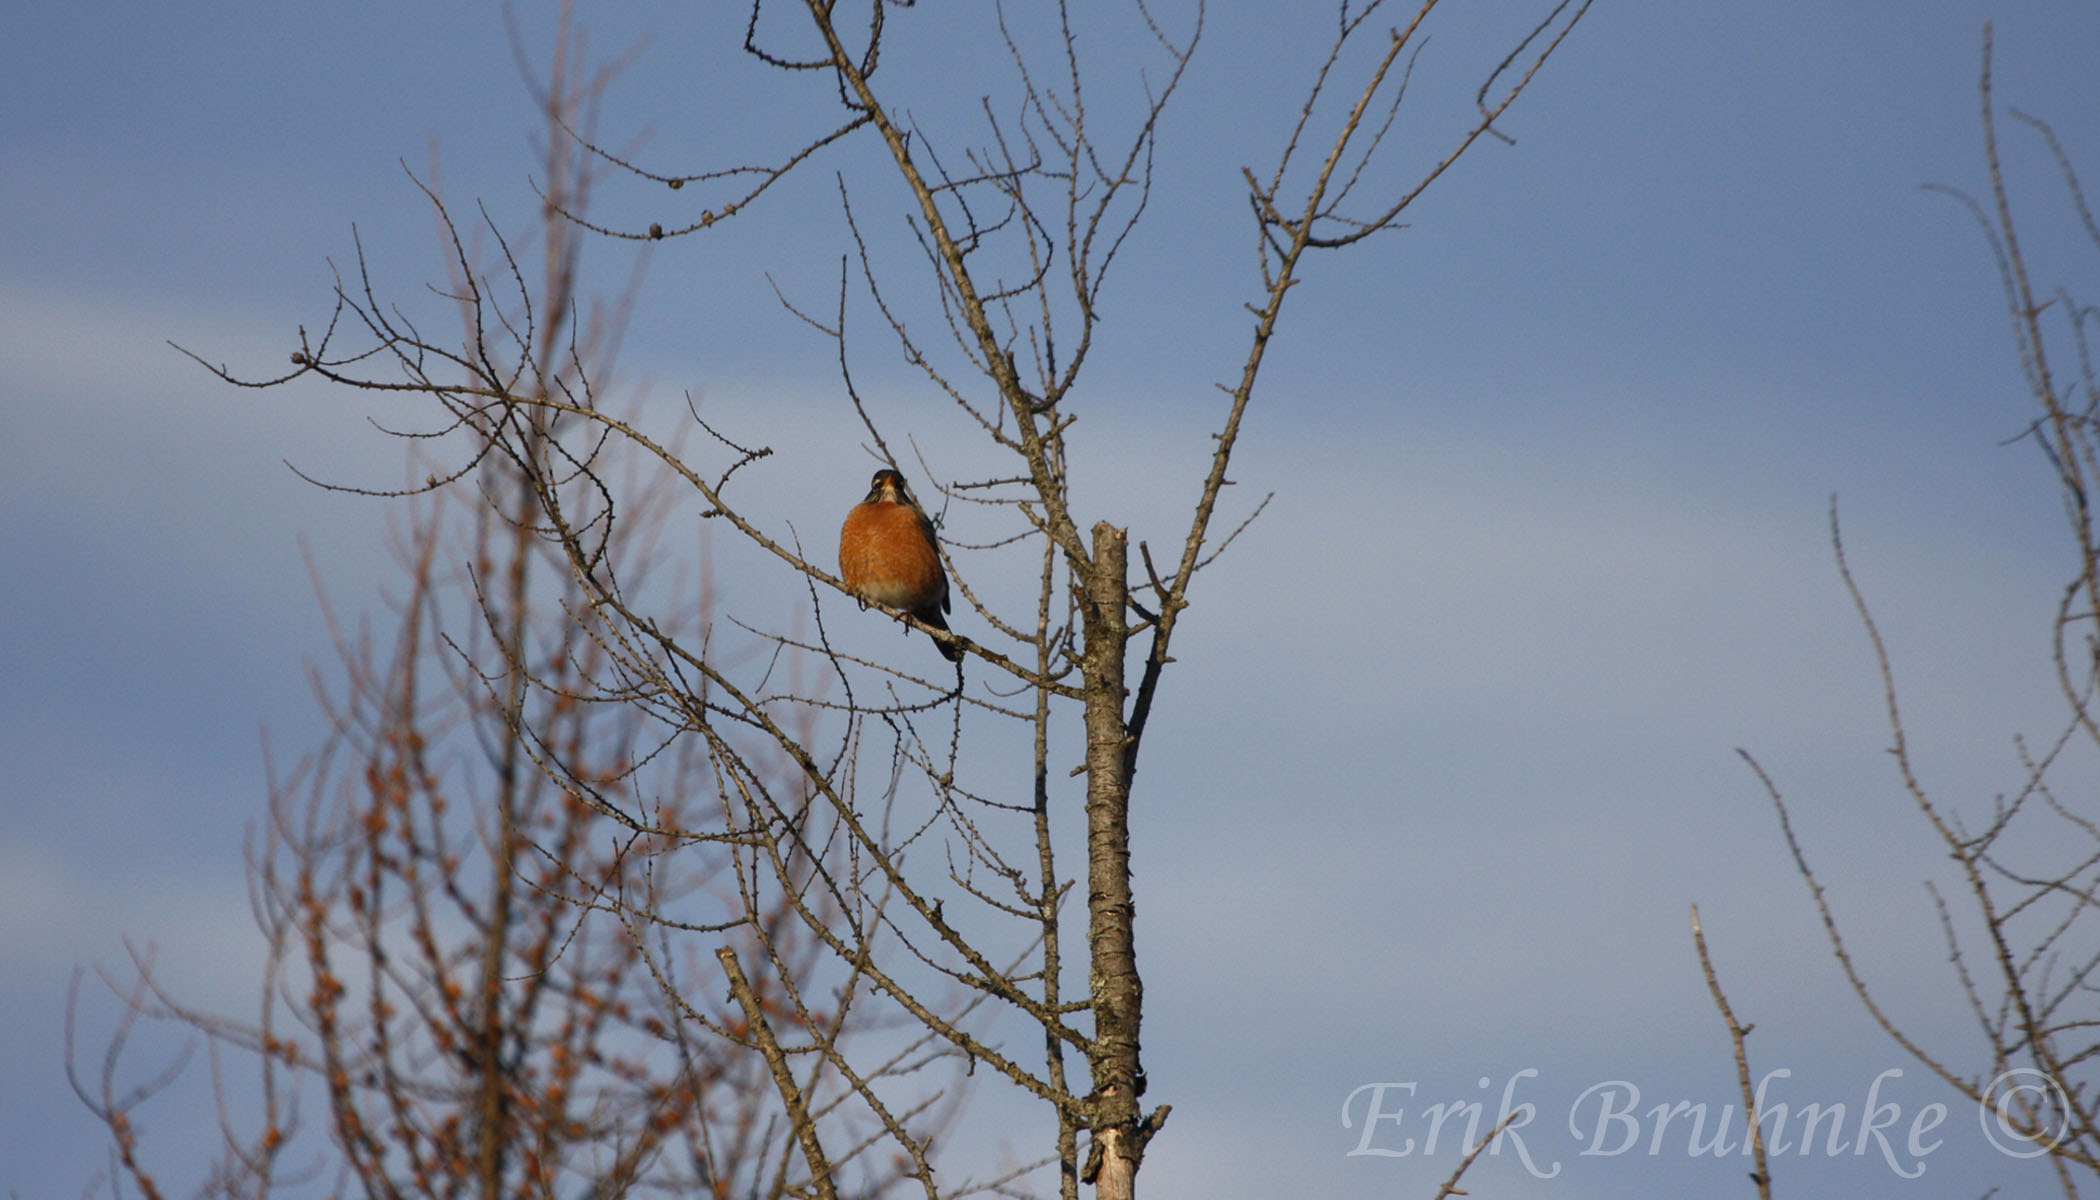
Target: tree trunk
{"type": "Point", "coordinates": [1118, 994]}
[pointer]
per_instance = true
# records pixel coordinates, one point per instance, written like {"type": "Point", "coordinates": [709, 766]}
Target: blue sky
{"type": "Point", "coordinates": [1551, 471]}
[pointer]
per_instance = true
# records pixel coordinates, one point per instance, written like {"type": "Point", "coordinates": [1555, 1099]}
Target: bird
{"type": "Point", "coordinates": [888, 555]}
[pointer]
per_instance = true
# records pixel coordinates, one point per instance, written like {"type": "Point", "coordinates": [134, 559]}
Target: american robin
{"type": "Point", "coordinates": [887, 554]}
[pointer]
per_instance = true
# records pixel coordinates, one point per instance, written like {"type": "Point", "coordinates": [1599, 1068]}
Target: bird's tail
{"type": "Point", "coordinates": [949, 650]}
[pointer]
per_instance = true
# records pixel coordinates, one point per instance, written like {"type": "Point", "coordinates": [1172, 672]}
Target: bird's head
{"type": "Point", "coordinates": [888, 487]}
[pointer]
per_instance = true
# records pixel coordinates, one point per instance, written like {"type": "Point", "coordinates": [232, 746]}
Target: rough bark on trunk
{"type": "Point", "coordinates": [1118, 993]}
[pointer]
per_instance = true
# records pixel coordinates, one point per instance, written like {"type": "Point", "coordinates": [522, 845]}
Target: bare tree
{"type": "Point", "coordinates": [453, 974]}
{"type": "Point", "coordinates": [2025, 882]}
{"type": "Point", "coordinates": [928, 879]}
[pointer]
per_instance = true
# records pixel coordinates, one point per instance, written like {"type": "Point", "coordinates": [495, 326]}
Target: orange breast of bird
{"type": "Point", "coordinates": [886, 554]}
